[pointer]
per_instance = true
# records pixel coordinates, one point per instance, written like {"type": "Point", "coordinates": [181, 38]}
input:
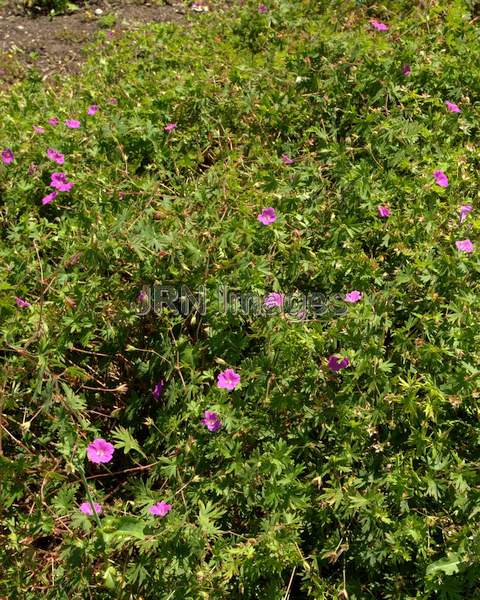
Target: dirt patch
{"type": "Point", "coordinates": [53, 45]}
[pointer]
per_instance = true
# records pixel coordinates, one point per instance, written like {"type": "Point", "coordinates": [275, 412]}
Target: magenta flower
{"type": "Point", "coordinates": [274, 299]}
{"type": "Point", "coordinates": [353, 297]}
{"type": "Point", "coordinates": [160, 509]}
{"type": "Point", "coordinates": [158, 389]}
{"type": "Point", "coordinates": [464, 245]}
{"type": "Point", "coordinates": [262, 9]}
{"type": "Point", "coordinates": [72, 123]}
{"type": "Point", "coordinates": [7, 156]}
{"type": "Point", "coordinates": [464, 210]}
{"type": "Point", "coordinates": [37, 129]}
{"type": "Point", "coordinates": [113, 101]}
{"type": "Point", "coordinates": [384, 211]}
{"type": "Point", "coordinates": [440, 178]}
{"type": "Point", "coordinates": [49, 198]}
{"type": "Point", "coordinates": [142, 296]}
{"type": "Point", "coordinates": [86, 508]}
{"type": "Point", "coordinates": [92, 110]}
{"type": "Point", "coordinates": [378, 25]}
{"type": "Point", "coordinates": [287, 160]}
{"type": "Point", "coordinates": [335, 363]}
{"type": "Point", "coordinates": [267, 216]}
{"type": "Point", "coordinates": [228, 379]}
{"type": "Point", "coordinates": [53, 121]}
{"type": "Point", "coordinates": [211, 420]}
{"type": "Point", "coordinates": [56, 156]}
{"type": "Point", "coordinates": [60, 182]}
{"type": "Point", "coordinates": [170, 127]}
{"type": "Point", "coordinates": [100, 451]}
{"type": "Point", "coordinates": [21, 302]}
{"type": "Point", "coordinates": [452, 107]}
{"type": "Point", "coordinates": [406, 70]}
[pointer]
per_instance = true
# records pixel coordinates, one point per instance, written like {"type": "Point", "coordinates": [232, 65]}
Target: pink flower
{"type": "Point", "coordinates": [228, 379]}
{"type": "Point", "coordinates": [37, 129]}
{"type": "Point", "coordinates": [113, 101]}
{"type": "Point", "coordinates": [464, 245]}
{"type": "Point", "coordinates": [452, 107]}
{"type": "Point", "coordinates": [335, 363]}
{"type": "Point", "coordinates": [170, 127]}
{"type": "Point", "coordinates": [92, 110]}
{"type": "Point", "coordinates": [60, 182]}
{"type": "Point", "coordinates": [464, 210]}
{"type": "Point", "coordinates": [441, 179]}
{"type": "Point", "coordinates": [406, 70]}
{"type": "Point", "coordinates": [7, 156]}
{"type": "Point", "coordinates": [378, 25]}
{"type": "Point", "coordinates": [86, 508]}
{"type": "Point", "coordinates": [384, 211]}
{"type": "Point", "coordinates": [49, 198]}
{"type": "Point", "coordinates": [267, 216]}
{"type": "Point", "coordinates": [353, 297]}
{"type": "Point", "coordinates": [56, 156]}
{"type": "Point", "coordinates": [142, 296]}
{"type": "Point", "coordinates": [262, 9]}
{"type": "Point", "coordinates": [21, 302]}
{"type": "Point", "coordinates": [274, 299]}
{"type": "Point", "coordinates": [160, 509]}
{"type": "Point", "coordinates": [287, 160]}
{"type": "Point", "coordinates": [211, 420]}
{"type": "Point", "coordinates": [72, 123]}
{"type": "Point", "coordinates": [100, 451]}
{"type": "Point", "coordinates": [158, 389]}
{"type": "Point", "coordinates": [53, 121]}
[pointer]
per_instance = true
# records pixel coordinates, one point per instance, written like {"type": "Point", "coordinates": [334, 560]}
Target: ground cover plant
{"type": "Point", "coordinates": [287, 149]}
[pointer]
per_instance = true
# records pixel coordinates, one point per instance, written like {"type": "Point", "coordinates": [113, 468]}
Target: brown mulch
{"type": "Point", "coordinates": [53, 45]}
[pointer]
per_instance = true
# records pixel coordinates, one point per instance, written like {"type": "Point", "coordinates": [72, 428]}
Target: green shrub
{"type": "Point", "coordinates": [361, 483]}
{"type": "Point", "coordinates": [58, 7]}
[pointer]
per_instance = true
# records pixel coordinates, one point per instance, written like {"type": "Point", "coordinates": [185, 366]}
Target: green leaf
{"type": "Point", "coordinates": [207, 516]}
{"type": "Point", "coordinates": [76, 403]}
{"type": "Point", "coordinates": [447, 565]}
{"type": "Point", "coordinates": [130, 526]}
{"type": "Point", "coordinates": [126, 441]}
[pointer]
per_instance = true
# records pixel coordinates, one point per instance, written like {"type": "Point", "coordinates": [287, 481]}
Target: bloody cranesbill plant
{"type": "Point", "coordinates": [100, 451]}
{"type": "Point", "coordinates": [318, 445]}
{"type": "Point", "coordinates": [7, 156]}
{"type": "Point", "coordinates": [228, 379]}
{"type": "Point", "coordinates": [160, 509]}
{"type": "Point", "coordinates": [267, 216]}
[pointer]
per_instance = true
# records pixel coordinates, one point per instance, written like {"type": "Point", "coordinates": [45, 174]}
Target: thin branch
{"type": "Point", "coordinates": [287, 593]}
{"type": "Point", "coordinates": [112, 473]}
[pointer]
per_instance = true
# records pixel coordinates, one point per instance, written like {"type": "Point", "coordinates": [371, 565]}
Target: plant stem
{"type": "Point", "coordinates": [89, 497]}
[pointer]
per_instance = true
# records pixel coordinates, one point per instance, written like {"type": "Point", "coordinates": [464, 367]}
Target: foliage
{"type": "Point", "coordinates": [318, 484]}
{"type": "Point", "coordinates": [57, 7]}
